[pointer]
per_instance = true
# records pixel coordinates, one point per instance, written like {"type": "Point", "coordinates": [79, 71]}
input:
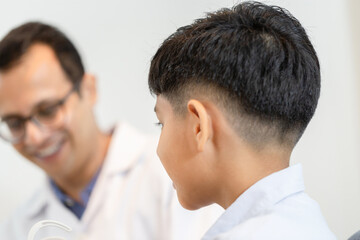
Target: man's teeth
{"type": "Point", "coordinates": [49, 151]}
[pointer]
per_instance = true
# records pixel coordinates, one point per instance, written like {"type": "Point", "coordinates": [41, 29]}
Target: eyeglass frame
{"type": "Point", "coordinates": [32, 117]}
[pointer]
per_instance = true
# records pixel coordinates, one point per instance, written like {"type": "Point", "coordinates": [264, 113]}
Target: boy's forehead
{"type": "Point", "coordinates": [157, 106]}
{"type": "Point", "coordinates": [163, 108]}
{"type": "Point", "coordinates": [162, 104]}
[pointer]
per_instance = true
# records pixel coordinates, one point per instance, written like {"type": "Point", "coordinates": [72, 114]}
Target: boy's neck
{"type": "Point", "coordinates": [242, 166]}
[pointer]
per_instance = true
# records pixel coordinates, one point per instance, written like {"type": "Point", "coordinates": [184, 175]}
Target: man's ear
{"type": "Point", "coordinates": [201, 122]}
{"type": "Point", "coordinates": [88, 88]}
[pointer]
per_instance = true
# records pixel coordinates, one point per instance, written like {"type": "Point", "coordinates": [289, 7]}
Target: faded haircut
{"type": "Point", "coordinates": [254, 61]}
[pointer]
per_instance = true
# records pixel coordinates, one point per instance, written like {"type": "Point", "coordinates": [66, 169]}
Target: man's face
{"type": "Point", "coordinates": [178, 153]}
{"type": "Point", "coordinates": [35, 81]}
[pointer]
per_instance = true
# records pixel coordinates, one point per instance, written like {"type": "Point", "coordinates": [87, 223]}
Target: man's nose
{"type": "Point", "coordinates": [34, 134]}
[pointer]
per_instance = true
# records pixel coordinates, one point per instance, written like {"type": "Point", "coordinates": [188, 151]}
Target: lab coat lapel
{"type": "Point", "coordinates": [118, 161]}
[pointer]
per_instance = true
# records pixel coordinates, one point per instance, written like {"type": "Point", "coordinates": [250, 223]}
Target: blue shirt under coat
{"type": "Point", "coordinates": [78, 208]}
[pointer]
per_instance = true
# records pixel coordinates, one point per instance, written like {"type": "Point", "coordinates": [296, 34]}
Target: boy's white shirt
{"type": "Point", "coordinates": [274, 208]}
{"type": "Point", "coordinates": [133, 198]}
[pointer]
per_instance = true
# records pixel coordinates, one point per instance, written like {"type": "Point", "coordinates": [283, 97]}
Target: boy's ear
{"type": "Point", "coordinates": [88, 88]}
{"type": "Point", "coordinates": [201, 122]}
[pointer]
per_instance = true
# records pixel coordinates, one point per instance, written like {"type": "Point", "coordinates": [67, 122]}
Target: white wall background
{"type": "Point", "coordinates": [117, 40]}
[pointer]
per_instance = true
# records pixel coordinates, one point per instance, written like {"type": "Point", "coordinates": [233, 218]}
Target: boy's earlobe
{"type": "Point", "coordinates": [202, 123]}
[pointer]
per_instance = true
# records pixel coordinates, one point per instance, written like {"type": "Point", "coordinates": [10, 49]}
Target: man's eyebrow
{"type": "Point", "coordinates": [155, 108]}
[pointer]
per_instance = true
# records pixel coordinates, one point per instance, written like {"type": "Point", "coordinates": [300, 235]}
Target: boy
{"type": "Point", "coordinates": [235, 91]}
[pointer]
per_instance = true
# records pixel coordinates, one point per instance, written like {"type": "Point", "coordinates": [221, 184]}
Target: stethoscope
{"type": "Point", "coordinates": [46, 223]}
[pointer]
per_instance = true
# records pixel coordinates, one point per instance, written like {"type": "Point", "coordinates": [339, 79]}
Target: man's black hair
{"type": "Point", "coordinates": [16, 43]}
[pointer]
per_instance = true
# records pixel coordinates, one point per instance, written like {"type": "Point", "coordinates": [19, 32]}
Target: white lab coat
{"type": "Point", "coordinates": [274, 208]}
{"type": "Point", "coordinates": [132, 199]}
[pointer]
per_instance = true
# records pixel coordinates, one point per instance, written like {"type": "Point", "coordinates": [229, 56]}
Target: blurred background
{"type": "Point", "coordinates": [117, 40]}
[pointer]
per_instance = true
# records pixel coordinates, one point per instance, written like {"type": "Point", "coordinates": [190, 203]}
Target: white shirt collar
{"type": "Point", "coordinates": [260, 196]}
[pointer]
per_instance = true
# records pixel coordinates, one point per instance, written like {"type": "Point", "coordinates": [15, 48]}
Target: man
{"type": "Point", "coordinates": [235, 91]}
{"type": "Point", "coordinates": [104, 185]}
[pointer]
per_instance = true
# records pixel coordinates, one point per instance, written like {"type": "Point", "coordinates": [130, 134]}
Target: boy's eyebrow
{"type": "Point", "coordinates": [155, 108]}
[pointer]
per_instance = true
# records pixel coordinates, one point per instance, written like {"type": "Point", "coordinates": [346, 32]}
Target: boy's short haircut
{"type": "Point", "coordinates": [254, 61]}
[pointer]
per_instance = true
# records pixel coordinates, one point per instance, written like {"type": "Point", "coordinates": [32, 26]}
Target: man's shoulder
{"type": "Point", "coordinates": [130, 149]}
{"type": "Point", "coordinates": [127, 140]}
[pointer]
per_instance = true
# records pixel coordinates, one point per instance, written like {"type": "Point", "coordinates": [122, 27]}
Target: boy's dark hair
{"type": "Point", "coordinates": [255, 61]}
{"type": "Point", "coordinates": [16, 43]}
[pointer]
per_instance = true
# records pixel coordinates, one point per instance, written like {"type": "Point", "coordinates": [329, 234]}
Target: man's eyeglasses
{"type": "Point", "coordinates": [50, 116]}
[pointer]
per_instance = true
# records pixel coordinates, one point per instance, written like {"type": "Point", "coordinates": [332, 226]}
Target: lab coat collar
{"type": "Point", "coordinates": [124, 136]}
{"type": "Point", "coordinates": [40, 202]}
{"type": "Point", "coordinates": [123, 154]}
{"type": "Point", "coordinates": [259, 197]}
